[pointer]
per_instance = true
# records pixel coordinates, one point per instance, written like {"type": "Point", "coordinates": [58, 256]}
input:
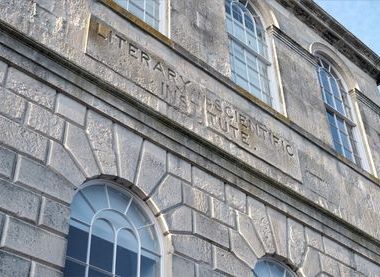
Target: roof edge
{"type": "Point", "coordinates": [336, 34]}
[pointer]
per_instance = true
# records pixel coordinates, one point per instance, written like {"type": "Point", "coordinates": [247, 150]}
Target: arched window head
{"type": "Point", "coordinates": [339, 112]}
{"type": "Point", "coordinates": [271, 268]}
{"type": "Point", "coordinates": [150, 11]}
{"type": "Point", "coordinates": [111, 234]}
{"type": "Point", "coordinates": [248, 49]}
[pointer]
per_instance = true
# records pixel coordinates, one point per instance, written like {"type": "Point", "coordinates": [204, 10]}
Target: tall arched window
{"type": "Point", "coordinates": [271, 268]}
{"type": "Point", "coordinates": [338, 110]}
{"type": "Point", "coordinates": [248, 49]}
{"type": "Point", "coordinates": [150, 11]}
{"type": "Point", "coordinates": [111, 235]}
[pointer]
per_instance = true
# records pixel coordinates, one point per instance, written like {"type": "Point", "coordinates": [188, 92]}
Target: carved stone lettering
{"type": "Point", "coordinates": [210, 114]}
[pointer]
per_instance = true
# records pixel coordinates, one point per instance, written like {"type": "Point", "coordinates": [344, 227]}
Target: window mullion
{"type": "Point", "coordinates": [116, 232]}
{"type": "Point", "coordinates": [88, 251]}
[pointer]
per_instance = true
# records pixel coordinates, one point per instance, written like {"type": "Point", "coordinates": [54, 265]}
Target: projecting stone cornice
{"type": "Point", "coordinates": [337, 35]}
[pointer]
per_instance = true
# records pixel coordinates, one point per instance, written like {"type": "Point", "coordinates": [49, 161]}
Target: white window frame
{"type": "Point", "coordinates": [163, 14]}
{"type": "Point", "coordinates": [146, 211]}
{"type": "Point", "coordinates": [273, 88]}
{"type": "Point", "coordinates": [353, 121]}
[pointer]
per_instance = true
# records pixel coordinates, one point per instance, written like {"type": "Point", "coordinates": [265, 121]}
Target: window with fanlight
{"type": "Point", "coordinates": [248, 49]}
{"type": "Point", "coordinates": [111, 234]}
{"type": "Point", "coordinates": [339, 113]}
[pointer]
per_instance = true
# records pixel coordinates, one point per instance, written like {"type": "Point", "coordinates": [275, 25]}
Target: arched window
{"type": "Point", "coordinates": [248, 49]}
{"type": "Point", "coordinates": [150, 11]}
{"type": "Point", "coordinates": [271, 268]}
{"type": "Point", "coordinates": [339, 112]}
{"type": "Point", "coordinates": [111, 235]}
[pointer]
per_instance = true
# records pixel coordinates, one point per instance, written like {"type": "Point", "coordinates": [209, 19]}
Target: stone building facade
{"type": "Point", "coordinates": [93, 95]}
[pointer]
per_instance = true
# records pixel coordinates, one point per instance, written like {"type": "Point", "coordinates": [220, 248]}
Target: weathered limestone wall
{"type": "Point", "coordinates": [119, 103]}
{"type": "Point", "coordinates": [193, 27]}
{"type": "Point", "coordinates": [52, 143]}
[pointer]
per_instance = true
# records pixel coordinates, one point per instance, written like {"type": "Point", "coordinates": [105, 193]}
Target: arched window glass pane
{"type": "Point", "coordinates": [248, 50]}
{"type": "Point", "coordinates": [96, 196]}
{"type": "Point", "coordinates": [271, 268]}
{"type": "Point", "coordinates": [127, 254]}
{"type": "Point", "coordinates": [149, 265]}
{"type": "Point", "coordinates": [102, 240]}
{"type": "Point", "coordinates": [147, 10]}
{"type": "Point", "coordinates": [77, 241]}
{"type": "Point", "coordinates": [119, 200]}
{"type": "Point", "coordinates": [82, 209]}
{"type": "Point", "coordinates": [136, 216]}
{"type": "Point", "coordinates": [338, 112]}
{"type": "Point", "coordinates": [110, 235]}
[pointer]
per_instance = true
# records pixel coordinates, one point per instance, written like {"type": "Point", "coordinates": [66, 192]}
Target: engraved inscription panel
{"type": "Point", "coordinates": [211, 115]}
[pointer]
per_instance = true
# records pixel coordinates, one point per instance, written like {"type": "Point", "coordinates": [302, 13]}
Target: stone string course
{"type": "Point", "coordinates": [50, 145]}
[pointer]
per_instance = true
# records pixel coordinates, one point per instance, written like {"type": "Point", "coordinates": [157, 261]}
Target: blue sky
{"type": "Point", "coordinates": [361, 17]}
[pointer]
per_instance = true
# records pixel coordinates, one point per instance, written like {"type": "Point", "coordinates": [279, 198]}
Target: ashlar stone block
{"type": "Point", "coordinates": [179, 219]}
{"type": "Point", "coordinates": [70, 109]}
{"type": "Point", "coordinates": [227, 262]}
{"type": "Point", "coordinates": [168, 193]}
{"type": "Point", "coordinates": [278, 222]}
{"type": "Point", "coordinates": [236, 198]}
{"type": "Point", "coordinates": [192, 247]}
{"type": "Point", "coordinates": [60, 160]}
{"type": "Point", "coordinates": [182, 267]}
{"type": "Point", "coordinates": [196, 199]}
{"type": "Point", "coordinates": [35, 242]}
{"type": "Point", "coordinates": [223, 213]}
{"type": "Point", "coordinates": [179, 167]}
{"type": "Point", "coordinates": [247, 229]}
{"type": "Point", "coordinates": [241, 248]}
{"type": "Point", "coordinates": [329, 265]}
{"type": "Point", "coordinates": [54, 215]}
{"type": "Point", "coordinates": [128, 145]}
{"type": "Point", "coordinates": [3, 69]}
{"type": "Point", "coordinates": [30, 88]}
{"type": "Point", "coordinates": [22, 139]}
{"type": "Point", "coordinates": [7, 162]}
{"type": "Point", "coordinates": [45, 180]}
{"type": "Point", "coordinates": [311, 265]}
{"type": "Point", "coordinates": [152, 167]}
{"type": "Point", "coordinates": [77, 144]}
{"type": "Point", "coordinates": [346, 271]}
{"type": "Point", "coordinates": [12, 105]}
{"type": "Point", "coordinates": [260, 219]}
{"type": "Point", "coordinates": [211, 229]}
{"type": "Point", "coordinates": [208, 183]}
{"type": "Point", "coordinates": [314, 239]}
{"type": "Point", "coordinates": [18, 201]}
{"type": "Point", "coordinates": [368, 268]}
{"type": "Point", "coordinates": [205, 271]}
{"type": "Point", "coordinates": [46, 122]}
{"type": "Point", "coordinates": [338, 252]}
{"type": "Point", "coordinates": [296, 242]}
{"type": "Point", "coordinates": [99, 130]}
{"type": "Point", "coordinates": [12, 265]}
{"type": "Point", "coordinates": [39, 270]}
